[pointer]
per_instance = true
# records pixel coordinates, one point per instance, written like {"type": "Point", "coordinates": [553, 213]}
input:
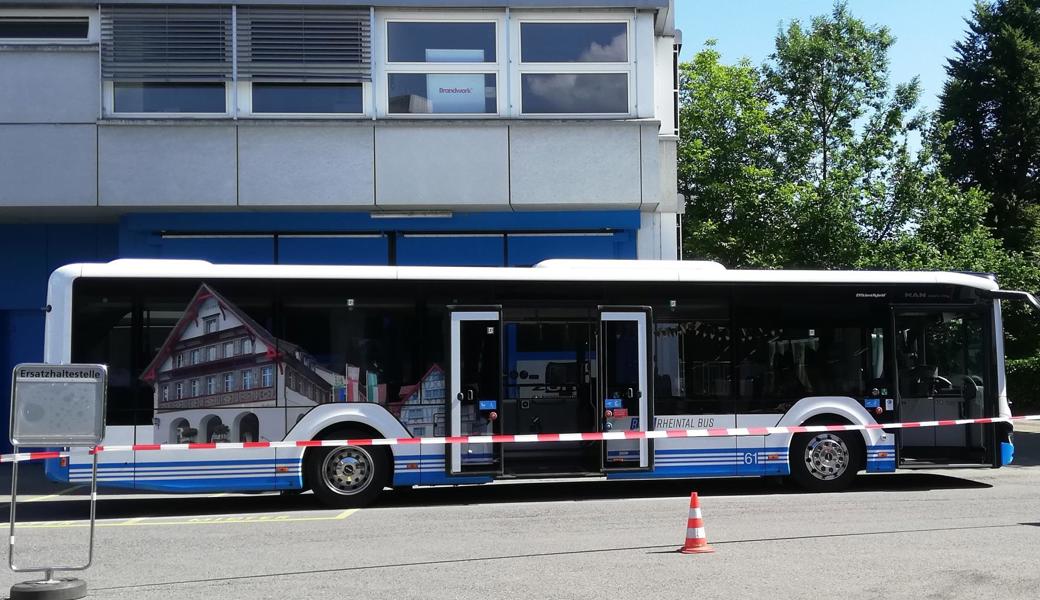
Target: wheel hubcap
{"type": "Point", "coordinates": [347, 470]}
{"type": "Point", "coordinates": [827, 456]}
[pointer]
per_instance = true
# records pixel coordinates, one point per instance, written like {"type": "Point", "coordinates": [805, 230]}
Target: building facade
{"type": "Point", "coordinates": [407, 132]}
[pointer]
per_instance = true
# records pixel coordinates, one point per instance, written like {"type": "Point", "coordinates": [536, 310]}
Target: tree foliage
{"type": "Point", "coordinates": [816, 160]}
{"type": "Point", "coordinates": [992, 102]}
{"type": "Point", "coordinates": [808, 161]}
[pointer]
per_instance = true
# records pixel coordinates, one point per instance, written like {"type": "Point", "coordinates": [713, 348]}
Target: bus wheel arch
{"type": "Point", "coordinates": [827, 461]}
{"type": "Point", "coordinates": [348, 476]}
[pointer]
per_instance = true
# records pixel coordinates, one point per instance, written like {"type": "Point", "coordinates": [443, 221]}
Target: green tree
{"type": "Point", "coordinates": [842, 130]}
{"type": "Point", "coordinates": [725, 164]}
{"type": "Point", "coordinates": [992, 100]}
{"type": "Point", "coordinates": [807, 162]}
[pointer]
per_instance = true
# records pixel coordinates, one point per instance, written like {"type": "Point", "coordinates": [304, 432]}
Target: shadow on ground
{"type": "Point", "coordinates": [71, 506]}
{"type": "Point", "coordinates": [1027, 449]}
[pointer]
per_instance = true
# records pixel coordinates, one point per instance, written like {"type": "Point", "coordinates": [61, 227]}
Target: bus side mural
{"type": "Point", "coordinates": [220, 376]}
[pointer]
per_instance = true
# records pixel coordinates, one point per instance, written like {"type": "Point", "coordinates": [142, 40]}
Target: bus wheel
{"type": "Point", "coordinates": [826, 462]}
{"type": "Point", "coordinates": [348, 476]}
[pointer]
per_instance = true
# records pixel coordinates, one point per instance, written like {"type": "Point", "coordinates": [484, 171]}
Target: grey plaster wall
{"type": "Point", "coordinates": [485, 165]}
{"type": "Point", "coordinates": [667, 175]}
{"type": "Point", "coordinates": [301, 165]}
{"type": "Point", "coordinates": [445, 166]}
{"type": "Point", "coordinates": [564, 165]}
{"type": "Point", "coordinates": [50, 85]}
{"type": "Point", "coordinates": [167, 165]}
{"type": "Point", "coordinates": [48, 165]}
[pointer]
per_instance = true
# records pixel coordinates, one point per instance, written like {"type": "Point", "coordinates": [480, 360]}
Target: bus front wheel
{"type": "Point", "coordinates": [348, 476]}
{"type": "Point", "coordinates": [826, 461]}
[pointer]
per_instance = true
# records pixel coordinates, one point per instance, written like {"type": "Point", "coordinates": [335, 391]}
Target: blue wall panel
{"type": "Point", "coordinates": [451, 251]}
{"type": "Point", "coordinates": [528, 249]}
{"type": "Point", "coordinates": [31, 252]}
{"type": "Point", "coordinates": [333, 250]}
{"type": "Point", "coordinates": [226, 250]}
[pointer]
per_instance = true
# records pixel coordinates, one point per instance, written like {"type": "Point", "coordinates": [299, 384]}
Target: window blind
{"type": "Point", "coordinates": [166, 43]}
{"type": "Point", "coordinates": [304, 44]}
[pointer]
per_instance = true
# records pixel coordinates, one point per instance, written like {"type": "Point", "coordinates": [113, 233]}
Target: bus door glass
{"type": "Point", "coordinates": [476, 389]}
{"type": "Point", "coordinates": [624, 386]}
{"type": "Point", "coordinates": [941, 361]}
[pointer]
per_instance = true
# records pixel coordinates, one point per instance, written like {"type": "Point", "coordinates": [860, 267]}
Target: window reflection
{"type": "Point", "coordinates": [440, 42]}
{"type": "Point", "coordinates": [575, 92]}
{"type": "Point", "coordinates": [442, 93]}
{"type": "Point", "coordinates": [574, 42]}
{"type": "Point", "coordinates": [307, 98]}
{"type": "Point", "coordinates": [169, 97]}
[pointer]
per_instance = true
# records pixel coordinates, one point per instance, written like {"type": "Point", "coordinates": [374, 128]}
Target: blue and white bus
{"type": "Point", "coordinates": [199, 352]}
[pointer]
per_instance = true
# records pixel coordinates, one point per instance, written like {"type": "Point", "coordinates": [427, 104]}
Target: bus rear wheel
{"type": "Point", "coordinates": [826, 461]}
{"type": "Point", "coordinates": [348, 476]}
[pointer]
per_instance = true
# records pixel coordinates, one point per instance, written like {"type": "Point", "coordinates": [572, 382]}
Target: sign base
{"type": "Point", "coordinates": [54, 589]}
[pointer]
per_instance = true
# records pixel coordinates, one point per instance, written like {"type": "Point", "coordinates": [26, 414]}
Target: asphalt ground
{"type": "Point", "coordinates": [950, 533]}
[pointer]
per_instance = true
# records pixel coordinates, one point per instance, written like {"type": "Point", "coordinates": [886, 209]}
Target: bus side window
{"type": "Point", "coordinates": [692, 367]}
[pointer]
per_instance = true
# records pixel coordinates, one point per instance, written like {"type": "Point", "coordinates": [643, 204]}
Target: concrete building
{"type": "Point", "coordinates": [444, 132]}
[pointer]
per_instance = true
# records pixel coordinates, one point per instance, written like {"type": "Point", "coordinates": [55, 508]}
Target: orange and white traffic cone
{"type": "Point", "coordinates": [696, 541]}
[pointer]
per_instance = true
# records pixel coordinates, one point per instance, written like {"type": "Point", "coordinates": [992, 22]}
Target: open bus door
{"type": "Point", "coordinates": [943, 357]}
{"type": "Point", "coordinates": [624, 386]}
{"type": "Point", "coordinates": [475, 397]}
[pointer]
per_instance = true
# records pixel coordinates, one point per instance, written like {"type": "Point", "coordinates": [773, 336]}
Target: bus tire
{"type": "Point", "coordinates": [348, 476]}
{"type": "Point", "coordinates": [826, 461]}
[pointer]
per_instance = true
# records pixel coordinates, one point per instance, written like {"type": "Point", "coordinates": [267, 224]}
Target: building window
{"type": "Point", "coordinates": [44, 28]}
{"type": "Point", "coordinates": [442, 67]}
{"type": "Point", "coordinates": [574, 42]}
{"type": "Point", "coordinates": [319, 98]}
{"type": "Point", "coordinates": [166, 59]}
{"type": "Point", "coordinates": [178, 360]}
{"type": "Point", "coordinates": [195, 357]}
{"type": "Point", "coordinates": [211, 385]}
{"type": "Point", "coordinates": [165, 393]}
{"type": "Point", "coordinates": [229, 349]}
{"type": "Point", "coordinates": [178, 390]}
{"type": "Point", "coordinates": [556, 93]}
{"type": "Point", "coordinates": [209, 324]}
{"type": "Point", "coordinates": [247, 346]}
{"type": "Point", "coordinates": [194, 388]}
{"type": "Point", "coordinates": [211, 353]}
{"type": "Point", "coordinates": [229, 382]}
{"type": "Point", "coordinates": [304, 60]}
{"type": "Point", "coordinates": [440, 41]}
{"type": "Point", "coordinates": [575, 67]}
{"type": "Point", "coordinates": [247, 379]}
{"type": "Point", "coordinates": [149, 97]}
{"type": "Point", "coordinates": [265, 377]}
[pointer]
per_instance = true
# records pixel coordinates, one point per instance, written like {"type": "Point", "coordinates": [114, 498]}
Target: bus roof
{"type": "Point", "coordinates": [549, 270]}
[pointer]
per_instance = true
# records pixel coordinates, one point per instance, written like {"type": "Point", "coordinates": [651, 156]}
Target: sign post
{"type": "Point", "coordinates": [56, 405]}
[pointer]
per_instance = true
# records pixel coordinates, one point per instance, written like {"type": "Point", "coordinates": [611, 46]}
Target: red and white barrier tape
{"type": "Point", "coordinates": [526, 438]}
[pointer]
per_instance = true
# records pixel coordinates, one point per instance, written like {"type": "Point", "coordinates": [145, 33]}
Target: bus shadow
{"type": "Point", "coordinates": [1027, 449]}
{"type": "Point", "coordinates": [73, 506]}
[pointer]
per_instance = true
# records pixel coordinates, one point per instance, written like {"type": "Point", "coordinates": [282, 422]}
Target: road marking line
{"type": "Point", "coordinates": [49, 496]}
{"type": "Point", "coordinates": [220, 520]}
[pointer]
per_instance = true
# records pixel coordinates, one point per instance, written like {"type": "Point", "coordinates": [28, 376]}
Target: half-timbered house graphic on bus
{"type": "Point", "coordinates": [217, 358]}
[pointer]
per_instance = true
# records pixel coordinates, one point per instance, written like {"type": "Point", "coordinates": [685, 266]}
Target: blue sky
{"type": "Point", "coordinates": [925, 31]}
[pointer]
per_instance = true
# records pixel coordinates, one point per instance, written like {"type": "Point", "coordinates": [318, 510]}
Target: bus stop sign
{"type": "Point", "coordinates": [58, 405]}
